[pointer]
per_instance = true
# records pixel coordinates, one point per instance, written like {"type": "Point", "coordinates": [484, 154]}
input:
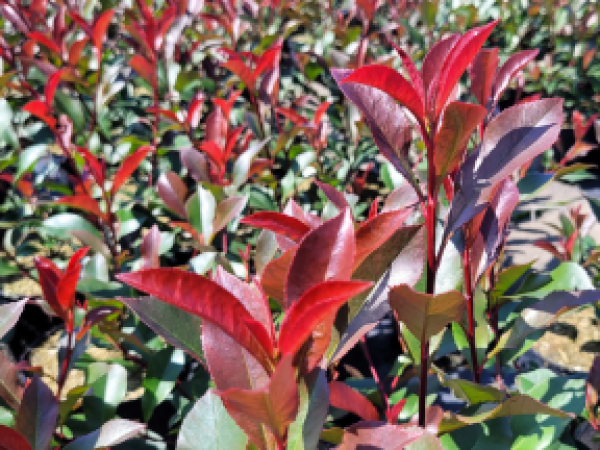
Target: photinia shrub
{"type": "Point", "coordinates": [207, 213]}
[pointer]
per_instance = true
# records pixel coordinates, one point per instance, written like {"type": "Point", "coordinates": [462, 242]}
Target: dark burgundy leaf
{"type": "Point", "coordinates": [37, 415]}
{"type": "Point", "coordinates": [389, 126]}
{"type": "Point", "coordinates": [329, 250]}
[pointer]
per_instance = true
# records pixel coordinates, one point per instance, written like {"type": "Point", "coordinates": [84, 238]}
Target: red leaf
{"type": "Point", "coordinates": [458, 60]}
{"type": "Point", "coordinates": [232, 138]}
{"type": "Point", "coordinates": [482, 73]}
{"type": "Point", "coordinates": [285, 225]}
{"type": "Point", "coordinates": [85, 203]}
{"type": "Point", "coordinates": [75, 51]}
{"type": "Point", "coordinates": [172, 191]}
{"type": "Point", "coordinates": [236, 368]}
{"type": "Point", "coordinates": [376, 231]}
{"type": "Point", "coordinates": [100, 27]}
{"type": "Point", "coordinates": [389, 126]}
{"type": "Point", "coordinates": [95, 166]}
{"type": "Point", "coordinates": [226, 106]}
{"type": "Point", "coordinates": [49, 276]}
{"type": "Point", "coordinates": [394, 412]}
{"type": "Point", "coordinates": [292, 115]}
{"type": "Point", "coordinates": [208, 300]}
{"type": "Point", "coordinates": [149, 249]}
{"type": "Point", "coordinates": [51, 86]}
{"type": "Point", "coordinates": [212, 150]}
{"type": "Point", "coordinates": [322, 109]}
{"type": "Point", "coordinates": [328, 250]}
{"type": "Point", "coordinates": [164, 112]}
{"type": "Point", "coordinates": [333, 195]}
{"type": "Point", "coordinates": [275, 274]}
{"type": "Point", "coordinates": [344, 397]}
{"type": "Point", "coordinates": [144, 68]}
{"type": "Point", "coordinates": [45, 41]}
{"type": "Point", "coordinates": [276, 405]}
{"type": "Point", "coordinates": [293, 209]}
{"type": "Point", "coordinates": [413, 73]}
{"type": "Point", "coordinates": [85, 26]}
{"type": "Point", "coordinates": [11, 440]}
{"type": "Point", "coordinates": [545, 245]}
{"type": "Point", "coordinates": [316, 305]}
{"type": "Point", "coordinates": [267, 61]}
{"type": "Point", "coordinates": [128, 166]}
{"type": "Point", "coordinates": [194, 112]}
{"type": "Point", "coordinates": [243, 72]}
{"type": "Point", "coordinates": [433, 62]}
{"type": "Point", "coordinates": [509, 69]}
{"type": "Point", "coordinates": [393, 84]}
{"type": "Point", "coordinates": [40, 110]}
{"type": "Point", "coordinates": [458, 123]}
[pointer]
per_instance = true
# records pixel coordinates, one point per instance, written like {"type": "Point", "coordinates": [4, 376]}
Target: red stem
{"type": "Point", "coordinates": [431, 270]}
{"type": "Point", "coordinates": [68, 356]}
{"type": "Point", "coordinates": [379, 383]}
{"type": "Point", "coordinates": [470, 316]}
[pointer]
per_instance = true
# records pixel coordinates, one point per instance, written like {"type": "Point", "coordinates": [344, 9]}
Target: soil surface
{"type": "Point", "coordinates": [574, 340]}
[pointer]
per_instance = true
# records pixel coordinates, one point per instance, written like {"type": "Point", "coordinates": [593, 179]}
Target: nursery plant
{"type": "Point", "coordinates": [190, 200]}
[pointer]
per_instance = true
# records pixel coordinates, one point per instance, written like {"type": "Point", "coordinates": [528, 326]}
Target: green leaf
{"type": "Point", "coordinates": [304, 432]}
{"type": "Point", "coordinates": [62, 224]}
{"type": "Point", "coordinates": [113, 432]}
{"type": "Point", "coordinates": [201, 211]}
{"type": "Point", "coordinates": [242, 165]}
{"type": "Point", "coordinates": [67, 405]}
{"type": "Point", "coordinates": [108, 383]}
{"type": "Point", "coordinates": [470, 392]}
{"type": "Point", "coordinates": [208, 420]}
{"type": "Point", "coordinates": [73, 108]}
{"type": "Point", "coordinates": [163, 370]}
{"type": "Point", "coordinates": [532, 183]}
{"type": "Point", "coordinates": [27, 159]}
{"type": "Point", "coordinates": [6, 268]}
{"type": "Point", "coordinates": [177, 327]}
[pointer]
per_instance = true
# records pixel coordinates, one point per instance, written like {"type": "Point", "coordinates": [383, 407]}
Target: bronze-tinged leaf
{"type": "Point", "coordinates": [458, 123]}
{"type": "Point", "coordinates": [325, 253]}
{"type": "Point", "coordinates": [374, 232]}
{"type": "Point", "coordinates": [482, 73]}
{"type": "Point", "coordinates": [276, 405]}
{"type": "Point", "coordinates": [425, 315]}
{"type": "Point", "coordinates": [333, 195]}
{"type": "Point", "coordinates": [275, 274]}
